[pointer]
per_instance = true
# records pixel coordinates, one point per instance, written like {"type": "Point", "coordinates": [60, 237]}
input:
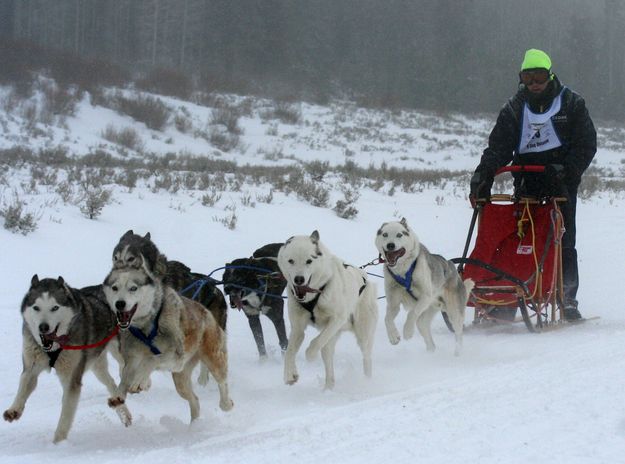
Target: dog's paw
{"type": "Point", "coordinates": [59, 437]}
{"type": "Point", "coordinates": [203, 377]}
{"type": "Point", "coordinates": [393, 337]}
{"type": "Point", "coordinates": [141, 386]}
{"type": "Point", "coordinates": [124, 415]}
{"type": "Point", "coordinates": [226, 405]}
{"type": "Point", "coordinates": [11, 415]}
{"type": "Point", "coordinates": [115, 402]}
{"type": "Point", "coordinates": [311, 353]}
{"type": "Point", "coordinates": [408, 331]}
{"type": "Point", "coordinates": [291, 379]}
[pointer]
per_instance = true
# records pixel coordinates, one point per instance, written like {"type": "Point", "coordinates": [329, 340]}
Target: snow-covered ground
{"type": "Point", "coordinates": [511, 397]}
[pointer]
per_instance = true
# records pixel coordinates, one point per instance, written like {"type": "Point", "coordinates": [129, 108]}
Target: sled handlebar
{"type": "Point", "coordinates": [521, 168]}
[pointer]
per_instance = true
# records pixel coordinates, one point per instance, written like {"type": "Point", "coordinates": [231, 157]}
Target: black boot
{"type": "Point", "coordinates": [571, 313]}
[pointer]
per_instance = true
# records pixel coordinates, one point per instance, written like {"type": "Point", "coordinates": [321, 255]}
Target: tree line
{"type": "Point", "coordinates": [432, 54]}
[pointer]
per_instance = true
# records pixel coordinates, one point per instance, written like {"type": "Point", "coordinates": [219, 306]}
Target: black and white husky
{"type": "Point", "coordinates": [255, 285]}
{"type": "Point", "coordinates": [422, 282]}
{"type": "Point", "coordinates": [58, 320]}
{"type": "Point", "coordinates": [330, 295]}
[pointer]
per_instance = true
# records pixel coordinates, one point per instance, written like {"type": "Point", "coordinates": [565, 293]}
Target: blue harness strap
{"type": "Point", "coordinates": [149, 340]}
{"type": "Point", "coordinates": [406, 281]}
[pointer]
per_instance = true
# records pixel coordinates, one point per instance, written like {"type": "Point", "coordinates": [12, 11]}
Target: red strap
{"type": "Point", "coordinates": [93, 345]}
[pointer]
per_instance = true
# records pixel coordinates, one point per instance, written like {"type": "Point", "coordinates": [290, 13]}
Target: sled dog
{"type": "Point", "coordinates": [255, 286]}
{"type": "Point", "coordinates": [424, 283]}
{"type": "Point", "coordinates": [133, 249]}
{"type": "Point", "coordinates": [332, 296]}
{"type": "Point", "coordinates": [165, 331]}
{"type": "Point", "coordinates": [56, 318]}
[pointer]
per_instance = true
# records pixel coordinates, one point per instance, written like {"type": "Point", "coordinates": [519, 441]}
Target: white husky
{"type": "Point", "coordinates": [329, 294]}
{"type": "Point", "coordinates": [422, 282]}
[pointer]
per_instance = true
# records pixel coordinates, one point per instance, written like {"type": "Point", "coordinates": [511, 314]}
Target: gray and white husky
{"type": "Point", "coordinates": [422, 282]}
{"type": "Point", "coordinates": [55, 319]}
{"type": "Point", "coordinates": [164, 331]}
{"type": "Point", "coordinates": [330, 295]}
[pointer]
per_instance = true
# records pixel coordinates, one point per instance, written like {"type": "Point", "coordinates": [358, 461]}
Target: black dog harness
{"type": "Point", "coordinates": [53, 355]}
{"type": "Point", "coordinates": [310, 305]}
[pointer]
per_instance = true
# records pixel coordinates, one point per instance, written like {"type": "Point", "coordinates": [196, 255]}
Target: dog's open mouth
{"type": "Point", "coordinates": [391, 257]}
{"type": "Point", "coordinates": [300, 291]}
{"type": "Point", "coordinates": [124, 317]}
{"type": "Point", "coordinates": [236, 300]}
{"type": "Point", "coordinates": [48, 339]}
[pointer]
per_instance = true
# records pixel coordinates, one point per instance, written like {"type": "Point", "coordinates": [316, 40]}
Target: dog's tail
{"type": "Point", "coordinates": [468, 286]}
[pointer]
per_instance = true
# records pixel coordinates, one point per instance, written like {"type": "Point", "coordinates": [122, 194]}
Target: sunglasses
{"type": "Point", "coordinates": [540, 76]}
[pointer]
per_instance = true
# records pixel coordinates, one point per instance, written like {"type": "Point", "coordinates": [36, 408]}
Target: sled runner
{"type": "Point", "coordinates": [516, 262]}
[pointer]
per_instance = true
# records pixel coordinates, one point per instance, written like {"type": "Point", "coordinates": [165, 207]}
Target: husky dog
{"type": "Point", "coordinates": [133, 250]}
{"type": "Point", "coordinates": [255, 286]}
{"type": "Point", "coordinates": [422, 282]}
{"type": "Point", "coordinates": [332, 296]}
{"type": "Point", "coordinates": [164, 331]}
{"type": "Point", "coordinates": [55, 317]}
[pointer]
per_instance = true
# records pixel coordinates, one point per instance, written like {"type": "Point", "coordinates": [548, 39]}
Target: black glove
{"type": "Point", "coordinates": [481, 183]}
{"type": "Point", "coordinates": [555, 174]}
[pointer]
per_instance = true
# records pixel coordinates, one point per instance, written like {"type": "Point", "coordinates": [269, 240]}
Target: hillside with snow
{"type": "Point", "coordinates": [219, 176]}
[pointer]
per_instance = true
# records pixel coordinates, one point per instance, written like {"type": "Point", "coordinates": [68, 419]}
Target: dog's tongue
{"type": "Point", "coordinates": [236, 302]}
{"type": "Point", "coordinates": [48, 339]}
{"type": "Point", "coordinates": [300, 291]}
{"type": "Point", "coordinates": [393, 256]}
{"type": "Point", "coordinates": [124, 317]}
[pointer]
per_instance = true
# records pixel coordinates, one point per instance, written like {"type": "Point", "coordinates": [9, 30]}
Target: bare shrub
{"type": "Point", "coordinates": [288, 113]}
{"type": "Point", "coordinates": [313, 193]}
{"type": "Point", "coordinates": [211, 198]}
{"type": "Point", "coordinates": [223, 140]}
{"type": "Point", "coordinates": [183, 123]}
{"type": "Point", "coordinates": [148, 110]}
{"type": "Point", "coordinates": [126, 137]}
{"type": "Point", "coordinates": [246, 200]}
{"type": "Point", "coordinates": [127, 178]}
{"type": "Point", "coordinates": [93, 200]}
{"type": "Point", "coordinates": [267, 198]}
{"type": "Point", "coordinates": [317, 169]}
{"type": "Point", "coordinates": [65, 190]}
{"type": "Point", "coordinates": [345, 208]}
{"type": "Point", "coordinates": [230, 220]}
{"type": "Point", "coordinates": [167, 82]}
{"type": "Point", "coordinates": [228, 117]}
{"type": "Point", "coordinates": [17, 219]}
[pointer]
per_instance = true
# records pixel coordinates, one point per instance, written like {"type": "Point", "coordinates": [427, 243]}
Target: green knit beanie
{"type": "Point", "coordinates": [536, 59]}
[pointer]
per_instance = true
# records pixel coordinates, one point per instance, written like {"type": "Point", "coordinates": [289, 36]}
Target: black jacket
{"type": "Point", "coordinates": [572, 124]}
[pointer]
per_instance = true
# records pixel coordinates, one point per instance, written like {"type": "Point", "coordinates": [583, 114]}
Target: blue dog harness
{"type": "Point", "coordinates": [149, 340]}
{"type": "Point", "coordinates": [405, 281]}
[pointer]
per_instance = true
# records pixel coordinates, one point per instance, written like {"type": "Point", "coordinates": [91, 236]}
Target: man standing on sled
{"type": "Point", "coordinates": [548, 124]}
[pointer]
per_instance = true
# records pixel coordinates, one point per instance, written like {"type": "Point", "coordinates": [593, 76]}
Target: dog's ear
{"type": "Point", "coordinates": [315, 237]}
{"type": "Point", "coordinates": [128, 233]}
{"type": "Point", "coordinates": [61, 281]}
{"type": "Point", "coordinates": [404, 222]}
{"type": "Point", "coordinates": [34, 281]}
{"type": "Point", "coordinates": [147, 236]}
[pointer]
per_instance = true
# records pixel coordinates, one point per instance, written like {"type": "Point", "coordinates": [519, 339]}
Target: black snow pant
{"type": "Point", "coordinates": [569, 252]}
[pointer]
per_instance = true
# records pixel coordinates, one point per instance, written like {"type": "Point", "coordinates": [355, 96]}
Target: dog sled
{"type": "Point", "coordinates": [516, 262]}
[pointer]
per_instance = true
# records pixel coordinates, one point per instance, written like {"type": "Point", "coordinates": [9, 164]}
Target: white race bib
{"type": "Point", "coordinates": [537, 131]}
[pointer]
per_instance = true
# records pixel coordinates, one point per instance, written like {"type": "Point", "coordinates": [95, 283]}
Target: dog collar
{"type": "Point", "coordinates": [148, 340]}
